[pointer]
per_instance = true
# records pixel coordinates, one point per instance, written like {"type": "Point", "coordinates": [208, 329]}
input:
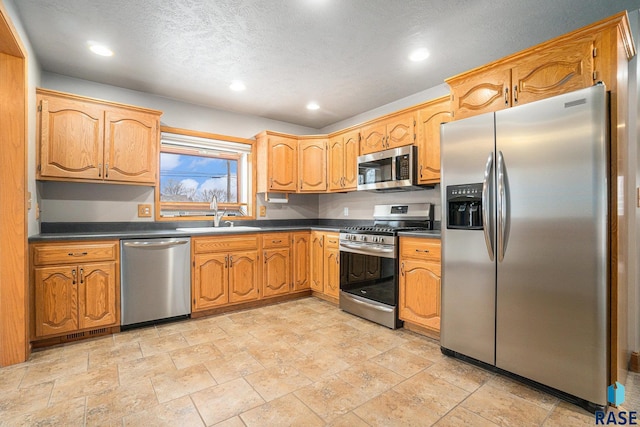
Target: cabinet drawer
{"type": "Point", "coordinates": [73, 253]}
{"type": "Point", "coordinates": [332, 240]}
{"type": "Point", "coordinates": [225, 243]}
{"type": "Point", "coordinates": [427, 249]}
{"type": "Point", "coordinates": [276, 240]}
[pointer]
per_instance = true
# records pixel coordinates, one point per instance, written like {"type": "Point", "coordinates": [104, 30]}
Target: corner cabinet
{"type": "Point", "coordinates": [429, 118]}
{"type": "Point", "coordinates": [75, 287]}
{"type": "Point", "coordinates": [420, 272]}
{"type": "Point", "coordinates": [225, 271]}
{"type": "Point", "coordinates": [343, 158]}
{"type": "Point", "coordinates": [277, 160]}
{"type": "Point", "coordinates": [83, 139]}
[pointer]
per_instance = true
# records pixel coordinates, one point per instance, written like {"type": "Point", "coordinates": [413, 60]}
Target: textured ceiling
{"type": "Point", "coordinates": [347, 55]}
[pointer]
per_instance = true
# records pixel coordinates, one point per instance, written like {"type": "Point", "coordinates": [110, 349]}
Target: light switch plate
{"type": "Point", "coordinates": [144, 211]}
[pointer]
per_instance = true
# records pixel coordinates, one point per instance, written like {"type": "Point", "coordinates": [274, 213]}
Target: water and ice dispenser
{"type": "Point", "coordinates": [464, 206]}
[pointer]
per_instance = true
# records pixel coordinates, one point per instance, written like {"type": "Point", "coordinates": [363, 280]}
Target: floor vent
{"type": "Point", "coordinates": [99, 331]}
{"type": "Point", "coordinates": [75, 336]}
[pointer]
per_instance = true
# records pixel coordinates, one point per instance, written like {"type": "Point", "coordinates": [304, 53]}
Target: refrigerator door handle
{"type": "Point", "coordinates": [503, 207]}
{"type": "Point", "coordinates": [486, 218]}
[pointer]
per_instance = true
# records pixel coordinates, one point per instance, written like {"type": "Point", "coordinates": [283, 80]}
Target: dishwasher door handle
{"type": "Point", "coordinates": [155, 245]}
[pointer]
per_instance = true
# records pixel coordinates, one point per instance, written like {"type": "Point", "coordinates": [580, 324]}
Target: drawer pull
{"type": "Point", "coordinates": [426, 251]}
{"type": "Point", "coordinates": [78, 253]}
{"type": "Point", "coordinates": [276, 241]}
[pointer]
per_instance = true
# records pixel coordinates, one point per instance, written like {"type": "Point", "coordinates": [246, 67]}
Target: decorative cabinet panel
{"type": "Point", "coordinates": [312, 165]}
{"type": "Point", "coordinates": [389, 133]}
{"type": "Point", "coordinates": [84, 139]}
{"type": "Point", "coordinates": [317, 261]}
{"type": "Point", "coordinates": [429, 119]}
{"type": "Point", "coordinates": [343, 158]}
{"type": "Point", "coordinates": [532, 75]}
{"type": "Point", "coordinates": [420, 272]}
{"type": "Point", "coordinates": [76, 287]}
{"type": "Point", "coordinates": [277, 162]}
{"type": "Point", "coordinates": [225, 270]}
{"type": "Point", "coordinates": [301, 260]}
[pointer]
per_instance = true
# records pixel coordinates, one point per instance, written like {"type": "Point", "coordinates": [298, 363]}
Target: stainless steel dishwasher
{"type": "Point", "coordinates": [155, 279]}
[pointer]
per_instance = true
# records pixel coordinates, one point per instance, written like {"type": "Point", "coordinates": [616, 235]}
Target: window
{"type": "Point", "coordinates": [195, 167]}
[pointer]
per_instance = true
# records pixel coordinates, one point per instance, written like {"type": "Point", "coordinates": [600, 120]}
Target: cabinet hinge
{"type": "Point", "coordinates": [595, 75]}
{"type": "Point", "coordinates": [39, 168]}
{"type": "Point", "coordinates": [39, 107]}
{"type": "Point", "coordinates": [595, 52]}
{"type": "Point", "coordinates": [194, 263]}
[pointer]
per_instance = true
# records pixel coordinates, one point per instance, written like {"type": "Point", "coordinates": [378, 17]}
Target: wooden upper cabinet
{"type": "Point", "coordinates": [343, 154]}
{"type": "Point", "coordinates": [71, 135]}
{"type": "Point", "coordinates": [131, 148]}
{"type": "Point", "coordinates": [389, 133]}
{"type": "Point", "coordinates": [480, 93]}
{"type": "Point", "coordinates": [556, 70]}
{"type": "Point", "coordinates": [277, 162]}
{"type": "Point", "coordinates": [83, 139]}
{"type": "Point", "coordinates": [312, 165]}
{"type": "Point", "coordinates": [429, 118]}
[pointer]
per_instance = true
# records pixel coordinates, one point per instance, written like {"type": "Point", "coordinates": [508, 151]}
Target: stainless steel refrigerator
{"type": "Point", "coordinates": [524, 241]}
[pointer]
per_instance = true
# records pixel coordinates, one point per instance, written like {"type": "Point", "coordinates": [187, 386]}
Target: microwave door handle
{"type": "Point", "coordinates": [486, 207]}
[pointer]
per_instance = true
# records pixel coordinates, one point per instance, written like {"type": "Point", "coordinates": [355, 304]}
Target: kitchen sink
{"type": "Point", "coordinates": [216, 229]}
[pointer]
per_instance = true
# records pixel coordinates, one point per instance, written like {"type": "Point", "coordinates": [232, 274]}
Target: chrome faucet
{"type": "Point", "coordinates": [217, 216]}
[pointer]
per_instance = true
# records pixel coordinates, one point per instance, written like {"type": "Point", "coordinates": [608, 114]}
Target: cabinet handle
{"type": "Point", "coordinates": [226, 262]}
{"type": "Point", "coordinates": [301, 184]}
{"type": "Point", "coordinates": [265, 256]}
{"type": "Point", "coordinates": [77, 253]}
{"type": "Point", "coordinates": [271, 185]}
{"type": "Point", "coordinates": [420, 171]}
{"type": "Point", "coordinates": [73, 273]}
{"type": "Point", "coordinates": [81, 275]}
{"type": "Point", "coordinates": [106, 171]}
{"type": "Point", "coordinates": [230, 261]}
{"type": "Point", "coordinates": [321, 241]}
{"type": "Point", "coordinates": [402, 269]}
{"type": "Point", "coordinates": [99, 170]}
{"type": "Point", "coordinates": [515, 94]}
{"type": "Point", "coordinates": [506, 96]}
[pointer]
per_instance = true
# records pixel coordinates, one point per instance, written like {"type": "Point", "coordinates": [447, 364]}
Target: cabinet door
{"type": "Point", "coordinates": [56, 300]}
{"type": "Point", "coordinates": [282, 164]}
{"type": "Point", "coordinates": [312, 165]}
{"type": "Point", "coordinates": [336, 163]}
{"type": "Point", "coordinates": [374, 138]}
{"type": "Point", "coordinates": [420, 292]}
{"type": "Point", "coordinates": [210, 281]}
{"type": "Point", "coordinates": [243, 276]}
{"type": "Point", "coordinates": [481, 93]}
{"type": "Point", "coordinates": [97, 295]}
{"type": "Point", "coordinates": [131, 146]}
{"type": "Point", "coordinates": [428, 140]}
{"type": "Point", "coordinates": [554, 71]}
{"type": "Point", "coordinates": [301, 261]}
{"type": "Point", "coordinates": [71, 134]}
{"type": "Point", "coordinates": [332, 272]}
{"type": "Point", "coordinates": [317, 261]}
{"type": "Point", "coordinates": [350, 160]}
{"type": "Point", "coordinates": [276, 279]}
{"type": "Point", "coordinates": [401, 130]}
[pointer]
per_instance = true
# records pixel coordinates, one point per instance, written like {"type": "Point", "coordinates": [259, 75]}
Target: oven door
{"type": "Point", "coordinates": [369, 287]}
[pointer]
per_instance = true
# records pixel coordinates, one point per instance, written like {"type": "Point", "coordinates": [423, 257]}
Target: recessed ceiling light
{"type": "Point", "coordinates": [100, 49]}
{"type": "Point", "coordinates": [313, 106]}
{"type": "Point", "coordinates": [419, 55]}
{"type": "Point", "coordinates": [237, 86]}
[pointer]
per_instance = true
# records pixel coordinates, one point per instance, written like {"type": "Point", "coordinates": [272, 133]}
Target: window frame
{"type": "Point", "coordinates": [251, 176]}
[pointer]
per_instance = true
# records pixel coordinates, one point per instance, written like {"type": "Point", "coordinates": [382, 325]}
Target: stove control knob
{"type": "Point", "coordinates": [363, 238]}
{"type": "Point", "coordinates": [380, 240]}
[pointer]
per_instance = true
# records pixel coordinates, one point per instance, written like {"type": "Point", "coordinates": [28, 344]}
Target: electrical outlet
{"type": "Point", "coordinates": [144, 211]}
{"type": "Point", "coordinates": [263, 211]}
{"type": "Point", "coordinates": [346, 211]}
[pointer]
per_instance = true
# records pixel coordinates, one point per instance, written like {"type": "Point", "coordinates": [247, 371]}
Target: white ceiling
{"type": "Point", "coordinates": [349, 56]}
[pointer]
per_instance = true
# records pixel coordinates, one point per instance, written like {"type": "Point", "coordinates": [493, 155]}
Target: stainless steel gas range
{"type": "Point", "coordinates": [369, 261]}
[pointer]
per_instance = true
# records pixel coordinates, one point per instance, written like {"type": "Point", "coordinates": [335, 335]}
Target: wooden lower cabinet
{"type": "Point", "coordinates": [225, 270]}
{"type": "Point", "coordinates": [75, 287]}
{"type": "Point", "coordinates": [317, 261]}
{"type": "Point", "coordinates": [276, 275]}
{"type": "Point", "coordinates": [420, 272]}
{"type": "Point", "coordinates": [331, 282]}
{"type": "Point", "coordinates": [301, 261]}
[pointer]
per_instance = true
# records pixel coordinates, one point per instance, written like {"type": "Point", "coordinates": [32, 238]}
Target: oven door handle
{"type": "Point", "coordinates": [369, 304]}
{"type": "Point", "coordinates": [367, 248]}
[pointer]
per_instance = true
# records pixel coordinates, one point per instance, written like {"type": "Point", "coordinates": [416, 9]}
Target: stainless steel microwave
{"type": "Point", "coordinates": [388, 170]}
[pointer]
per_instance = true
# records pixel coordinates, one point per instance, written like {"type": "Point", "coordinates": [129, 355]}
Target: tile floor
{"type": "Point", "coordinates": [302, 363]}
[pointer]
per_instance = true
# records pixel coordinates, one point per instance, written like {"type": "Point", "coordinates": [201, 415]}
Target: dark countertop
{"type": "Point", "coordinates": [428, 234]}
{"type": "Point", "coordinates": [170, 232]}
